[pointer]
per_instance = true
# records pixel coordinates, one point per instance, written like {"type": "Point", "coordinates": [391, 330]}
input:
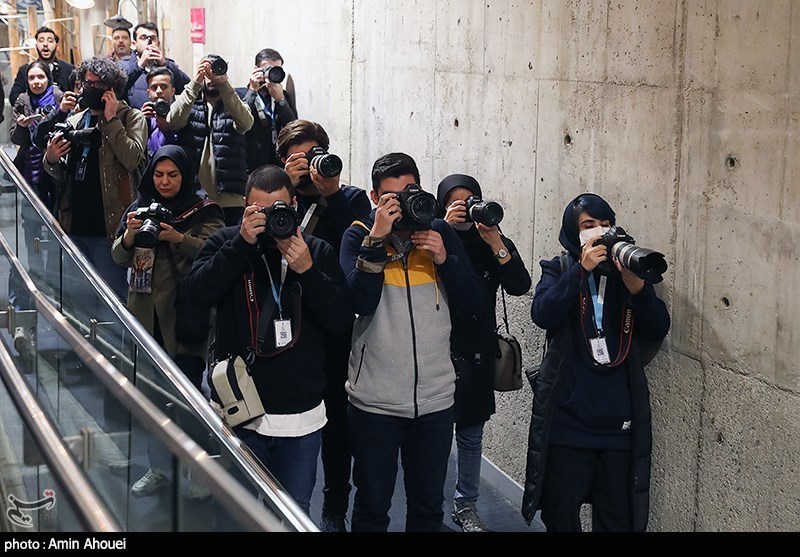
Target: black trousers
{"type": "Point", "coordinates": [576, 476]}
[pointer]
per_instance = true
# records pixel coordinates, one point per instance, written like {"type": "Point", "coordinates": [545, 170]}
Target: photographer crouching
{"type": "Point", "coordinates": [590, 434]}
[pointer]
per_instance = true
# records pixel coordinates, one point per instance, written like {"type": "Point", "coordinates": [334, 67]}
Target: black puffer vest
{"type": "Point", "coordinates": [227, 145]}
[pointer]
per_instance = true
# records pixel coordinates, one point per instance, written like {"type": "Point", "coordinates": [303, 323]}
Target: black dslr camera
{"type": "Point", "coordinates": [327, 164]}
{"type": "Point", "coordinates": [281, 220]}
{"type": "Point", "coordinates": [488, 213]}
{"type": "Point", "coordinates": [419, 209]}
{"type": "Point", "coordinates": [152, 215]}
{"type": "Point", "coordinates": [218, 65]}
{"type": "Point", "coordinates": [275, 74]}
{"type": "Point", "coordinates": [87, 136]}
{"type": "Point", "coordinates": [646, 264]}
{"type": "Point", "coordinates": [161, 107]}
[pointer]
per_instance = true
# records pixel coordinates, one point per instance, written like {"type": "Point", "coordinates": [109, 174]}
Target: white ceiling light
{"type": "Point", "coordinates": [81, 4]}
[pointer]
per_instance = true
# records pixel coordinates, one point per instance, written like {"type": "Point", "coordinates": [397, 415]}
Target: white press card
{"type": "Point", "coordinates": [283, 332]}
{"type": "Point", "coordinates": [600, 350]}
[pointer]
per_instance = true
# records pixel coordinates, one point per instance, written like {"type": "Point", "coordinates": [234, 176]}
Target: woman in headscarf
{"type": "Point", "coordinates": [161, 234]}
{"type": "Point", "coordinates": [497, 262]}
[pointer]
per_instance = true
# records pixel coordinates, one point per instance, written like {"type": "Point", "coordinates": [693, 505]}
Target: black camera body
{"type": "Point", "coordinates": [87, 136]}
{"type": "Point", "coordinates": [489, 213]}
{"type": "Point", "coordinates": [646, 264]}
{"type": "Point", "coordinates": [218, 64]}
{"type": "Point", "coordinates": [161, 107]}
{"type": "Point", "coordinates": [274, 74]}
{"type": "Point", "coordinates": [281, 220]}
{"type": "Point", "coordinates": [327, 164]}
{"type": "Point", "coordinates": [419, 209]}
{"type": "Point", "coordinates": [152, 215]}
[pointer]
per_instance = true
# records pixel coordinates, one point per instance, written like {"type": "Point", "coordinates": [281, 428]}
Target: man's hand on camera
{"type": "Point", "coordinates": [57, 147]}
{"type": "Point", "coordinates": [169, 234]}
{"type": "Point", "coordinates": [256, 79]}
{"type": "Point", "coordinates": [253, 223]}
{"type": "Point", "coordinates": [431, 241]}
{"type": "Point", "coordinates": [148, 109]}
{"type": "Point", "coordinates": [633, 283]}
{"type": "Point", "coordinates": [296, 167]}
{"type": "Point", "coordinates": [132, 226]}
{"type": "Point", "coordinates": [295, 251]}
{"type": "Point", "coordinates": [456, 212]}
{"type": "Point", "coordinates": [325, 186]}
{"type": "Point", "coordinates": [592, 255]}
{"type": "Point", "coordinates": [275, 90]}
{"type": "Point", "coordinates": [387, 212]}
{"type": "Point", "coordinates": [112, 104]}
{"type": "Point", "coordinates": [202, 71]}
{"type": "Point", "coordinates": [68, 102]}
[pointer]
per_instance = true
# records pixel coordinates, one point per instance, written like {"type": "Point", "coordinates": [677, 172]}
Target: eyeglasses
{"type": "Point", "coordinates": [95, 83]}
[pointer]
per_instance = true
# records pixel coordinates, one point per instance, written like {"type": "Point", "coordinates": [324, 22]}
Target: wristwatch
{"type": "Point", "coordinates": [501, 253]}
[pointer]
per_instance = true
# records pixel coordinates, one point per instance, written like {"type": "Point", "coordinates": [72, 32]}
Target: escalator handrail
{"type": "Point", "coordinates": [91, 511]}
{"type": "Point", "coordinates": [260, 476]}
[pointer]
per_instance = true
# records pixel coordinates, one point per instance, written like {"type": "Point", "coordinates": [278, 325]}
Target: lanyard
{"type": "Point", "coordinates": [264, 109]}
{"type": "Point", "coordinates": [598, 301]}
{"type": "Point", "coordinates": [276, 293]}
{"type": "Point", "coordinates": [86, 122]}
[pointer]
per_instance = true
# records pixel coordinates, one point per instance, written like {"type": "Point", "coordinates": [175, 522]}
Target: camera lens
{"type": "Point", "coordinates": [422, 208]}
{"type": "Point", "coordinates": [281, 222]}
{"type": "Point", "coordinates": [218, 65]}
{"type": "Point", "coordinates": [275, 74]}
{"type": "Point", "coordinates": [329, 165]}
{"type": "Point", "coordinates": [161, 107]}
{"type": "Point", "coordinates": [489, 213]}
{"type": "Point", "coordinates": [645, 263]}
{"type": "Point", "coordinates": [147, 237]}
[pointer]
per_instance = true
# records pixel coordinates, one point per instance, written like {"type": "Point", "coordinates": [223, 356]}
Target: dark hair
{"type": "Point", "coordinates": [300, 131]}
{"type": "Point", "coordinates": [109, 72]}
{"type": "Point", "coordinates": [128, 31]}
{"type": "Point", "coordinates": [161, 70]}
{"type": "Point", "coordinates": [269, 178]}
{"type": "Point", "coordinates": [45, 67]}
{"type": "Point", "coordinates": [594, 205]}
{"type": "Point", "coordinates": [149, 25]}
{"type": "Point", "coordinates": [268, 54]}
{"type": "Point", "coordinates": [393, 165]}
{"type": "Point", "coordinates": [44, 29]}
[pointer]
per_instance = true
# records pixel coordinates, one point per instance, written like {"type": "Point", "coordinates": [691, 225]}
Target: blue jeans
{"type": "Point", "coordinates": [469, 440]}
{"type": "Point", "coordinates": [292, 460]}
{"type": "Point", "coordinates": [423, 446]}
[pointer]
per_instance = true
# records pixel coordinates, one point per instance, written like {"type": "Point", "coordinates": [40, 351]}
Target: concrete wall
{"type": "Point", "coordinates": [685, 115]}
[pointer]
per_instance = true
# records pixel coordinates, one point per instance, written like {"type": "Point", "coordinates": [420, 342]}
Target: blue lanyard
{"type": "Point", "coordinates": [276, 293]}
{"type": "Point", "coordinates": [264, 108]}
{"type": "Point", "coordinates": [598, 301]}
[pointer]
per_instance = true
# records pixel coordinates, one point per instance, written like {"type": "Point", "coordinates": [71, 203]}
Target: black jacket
{"type": "Point", "coordinates": [291, 381]}
{"type": "Point", "coordinates": [260, 146]}
{"type": "Point", "coordinates": [227, 145]}
{"type": "Point", "coordinates": [342, 209]}
{"type": "Point", "coordinates": [62, 76]}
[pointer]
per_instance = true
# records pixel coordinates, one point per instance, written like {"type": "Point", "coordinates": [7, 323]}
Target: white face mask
{"type": "Point", "coordinates": [463, 226]}
{"type": "Point", "coordinates": [590, 233]}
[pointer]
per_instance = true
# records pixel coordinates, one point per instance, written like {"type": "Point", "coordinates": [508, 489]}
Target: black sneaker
{"type": "Point", "coordinates": [333, 523]}
{"type": "Point", "coordinates": [466, 516]}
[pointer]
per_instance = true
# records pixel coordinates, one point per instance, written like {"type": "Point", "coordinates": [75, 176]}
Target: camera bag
{"type": "Point", "coordinates": [508, 365]}
{"type": "Point", "coordinates": [235, 391]}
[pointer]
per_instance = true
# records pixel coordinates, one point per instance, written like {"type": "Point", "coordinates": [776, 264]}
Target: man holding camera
{"type": "Point", "coordinates": [271, 105]}
{"type": "Point", "coordinates": [92, 156]}
{"type": "Point", "coordinates": [161, 90]}
{"type": "Point", "coordinates": [148, 56]}
{"type": "Point", "coordinates": [47, 50]}
{"type": "Point", "coordinates": [327, 209]}
{"type": "Point", "coordinates": [211, 121]}
{"type": "Point", "coordinates": [277, 294]}
{"type": "Point", "coordinates": [403, 269]}
{"type": "Point", "coordinates": [590, 436]}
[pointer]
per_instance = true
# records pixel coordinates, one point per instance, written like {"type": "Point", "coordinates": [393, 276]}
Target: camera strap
{"type": "Point", "coordinates": [80, 170]}
{"type": "Point", "coordinates": [312, 216]}
{"type": "Point", "coordinates": [597, 345]}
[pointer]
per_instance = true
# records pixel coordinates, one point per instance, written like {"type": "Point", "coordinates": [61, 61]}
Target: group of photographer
{"type": "Point", "coordinates": [356, 325]}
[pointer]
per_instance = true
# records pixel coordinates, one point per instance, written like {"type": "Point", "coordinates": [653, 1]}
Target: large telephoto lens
{"type": "Point", "coordinates": [647, 264]}
{"type": "Point", "coordinates": [329, 165]}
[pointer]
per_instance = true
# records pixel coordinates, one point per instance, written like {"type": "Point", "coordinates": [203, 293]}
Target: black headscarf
{"type": "Point", "coordinates": [451, 182]}
{"type": "Point", "coordinates": [187, 197]}
{"type": "Point", "coordinates": [590, 203]}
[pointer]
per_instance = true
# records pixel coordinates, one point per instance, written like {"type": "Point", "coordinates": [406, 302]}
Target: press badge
{"type": "Point", "coordinates": [283, 332]}
{"type": "Point", "coordinates": [600, 350]}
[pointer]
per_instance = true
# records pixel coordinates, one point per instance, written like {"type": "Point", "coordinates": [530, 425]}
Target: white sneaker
{"type": "Point", "coordinates": [197, 491]}
{"type": "Point", "coordinates": [147, 484]}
